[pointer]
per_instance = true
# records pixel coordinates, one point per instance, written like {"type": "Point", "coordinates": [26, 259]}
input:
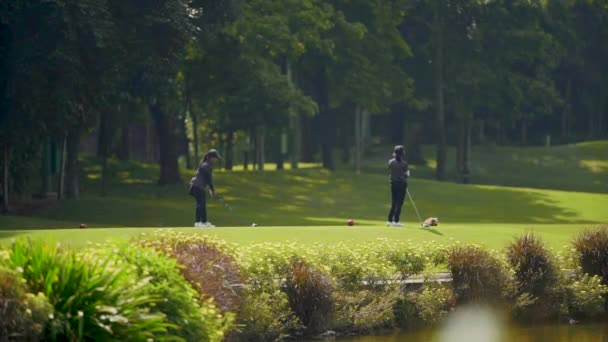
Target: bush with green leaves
{"type": "Point", "coordinates": [539, 293]}
{"type": "Point", "coordinates": [478, 274]}
{"type": "Point", "coordinates": [92, 299]}
{"type": "Point", "coordinates": [365, 310]}
{"type": "Point", "coordinates": [24, 315]}
{"type": "Point", "coordinates": [586, 295]}
{"type": "Point", "coordinates": [267, 316]}
{"type": "Point", "coordinates": [189, 319]}
{"type": "Point", "coordinates": [427, 306]}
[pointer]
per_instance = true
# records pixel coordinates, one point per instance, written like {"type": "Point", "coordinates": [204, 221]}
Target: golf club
{"type": "Point", "coordinates": [229, 207]}
{"type": "Point", "coordinates": [416, 209]}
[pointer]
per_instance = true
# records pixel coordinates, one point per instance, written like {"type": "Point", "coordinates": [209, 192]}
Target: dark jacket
{"type": "Point", "coordinates": [203, 177]}
{"type": "Point", "coordinates": [399, 171]}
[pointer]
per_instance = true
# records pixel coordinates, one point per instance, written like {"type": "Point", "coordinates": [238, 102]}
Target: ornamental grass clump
{"type": "Point", "coordinates": [539, 293]}
{"type": "Point", "coordinates": [310, 293]}
{"type": "Point", "coordinates": [477, 275]}
{"type": "Point", "coordinates": [592, 251]}
{"type": "Point", "coordinates": [206, 263]}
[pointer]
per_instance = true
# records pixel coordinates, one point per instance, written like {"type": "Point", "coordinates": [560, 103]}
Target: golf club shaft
{"type": "Point", "coordinates": [414, 205]}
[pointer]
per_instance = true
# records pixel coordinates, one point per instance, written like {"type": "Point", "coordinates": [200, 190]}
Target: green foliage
{"type": "Point", "coordinates": [311, 295]}
{"type": "Point", "coordinates": [365, 310]}
{"type": "Point", "coordinates": [592, 251]}
{"type": "Point", "coordinates": [178, 301]}
{"type": "Point", "coordinates": [24, 315]}
{"type": "Point", "coordinates": [586, 296]}
{"type": "Point", "coordinates": [477, 274]}
{"type": "Point", "coordinates": [92, 299]}
{"type": "Point", "coordinates": [426, 307]}
{"type": "Point", "coordinates": [267, 316]}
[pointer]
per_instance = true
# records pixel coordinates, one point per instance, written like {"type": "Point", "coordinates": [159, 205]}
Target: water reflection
{"type": "Point", "coordinates": [478, 324]}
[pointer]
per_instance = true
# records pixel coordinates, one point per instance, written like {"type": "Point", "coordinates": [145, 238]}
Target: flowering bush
{"type": "Point", "coordinates": [586, 296]}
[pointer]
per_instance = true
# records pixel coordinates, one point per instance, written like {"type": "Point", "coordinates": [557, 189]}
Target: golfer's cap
{"type": "Point", "coordinates": [214, 153]}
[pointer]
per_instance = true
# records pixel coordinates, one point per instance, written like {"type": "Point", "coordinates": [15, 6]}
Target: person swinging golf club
{"type": "Point", "coordinates": [201, 180]}
{"type": "Point", "coordinates": [399, 173]}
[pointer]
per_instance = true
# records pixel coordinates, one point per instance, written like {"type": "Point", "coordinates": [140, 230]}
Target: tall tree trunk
{"type": "Point", "coordinates": [283, 148]}
{"type": "Point", "coordinates": [414, 138]}
{"type": "Point", "coordinates": [460, 146]}
{"type": "Point", "coordinates": [103, 149]}
{"type": "Point", "coordinates": [397, 126]}
{"type": "Point", "coordinates": [183, 142]}
{"type": "Point", "coordinates": [229, 158]}
{"type": "Point", "coordinates": [72, 166]}
{"type": "Point", "coordinates": [165, 128]}
{"type": "Point", "coordinates": [259, 148]}
{"type": "Point", "coordinates": [439, 96]}
{"type": "Point", "coordinates": [61, 187]}
{"type": "Point", "coordinates": [195, 134]}
{"type": "Point", "coordinates": [45, 169]}
{"type": "Point", "coordinates": [103, 134]}
{"type": "Point", "coordinates": [346, 142]}
{"type": "Point", "coordinates": [566, 113]}
{"type": "Point", "coordinates": [6, 160]}
{"type": "Point", "coordinates": [326, 119]}
{"type": "Point", "coordinates": [466, 158]}
{"type": "Point", "coordinates": [294, 125]}
{"type": "Point", "coordinates": [358, 138]}
{"type": "Point", "coordinates": [592, 123]}
{"type": "Point", "coordinates": [307, 145]}
{"type": "Point", "coordinates": [482, 132]}
{"type": "Point", "coordinates": [123, 148]}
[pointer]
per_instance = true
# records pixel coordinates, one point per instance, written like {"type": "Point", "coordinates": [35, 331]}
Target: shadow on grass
{"type": "Point", "coordinates": [433, 231]}
{"type": "Point", "coordinates": [9, 234]}
{"type": "Point", "coordinates": [306, 197]}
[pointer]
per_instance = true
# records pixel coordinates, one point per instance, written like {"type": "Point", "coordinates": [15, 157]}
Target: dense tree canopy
{"type": "Point", "coordinates": [229, 72]}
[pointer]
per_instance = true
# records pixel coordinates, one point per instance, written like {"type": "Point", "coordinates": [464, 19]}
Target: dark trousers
{"type": "Point", "coordinates": [398, 191]}
{"type": "Point", "coordinates": [201, 204]}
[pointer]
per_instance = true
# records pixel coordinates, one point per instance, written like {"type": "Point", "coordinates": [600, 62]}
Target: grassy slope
{"type": "Point", "coordinates": [312, 197]}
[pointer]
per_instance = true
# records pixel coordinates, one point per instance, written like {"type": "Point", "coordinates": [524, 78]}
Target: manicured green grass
{"type": "Point", "coordinates": [315, 199]}
{"type": "Point", "coordinates": [489, 235]}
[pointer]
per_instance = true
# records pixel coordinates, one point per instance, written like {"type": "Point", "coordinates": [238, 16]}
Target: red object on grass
{"type": "Point", "coordinates": [350, 222]}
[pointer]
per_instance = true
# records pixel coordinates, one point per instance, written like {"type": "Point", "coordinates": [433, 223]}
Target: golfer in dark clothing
{"type": "Point", "coordinates": [399, 172]}
{"type": "Point", "coordinates": [203, 179]}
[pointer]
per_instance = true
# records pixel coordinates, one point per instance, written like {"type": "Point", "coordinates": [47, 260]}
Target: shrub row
{"type": "Point", "coordinates": [104, 293]}
{"type": "Point", "coordinates": [179, 287]}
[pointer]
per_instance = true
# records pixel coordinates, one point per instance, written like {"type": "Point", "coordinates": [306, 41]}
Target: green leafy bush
{"type": "Point", "coordinates": [477, 275]}
{"type": "Point", "coordinates": [23, 314]}
{"type": "Point", "coordinates": [92, 299]}
{"type": "Point", "coordinates": [539, 293]}
{"type": "Point", "coordinates": [428, 306]}
{"type": "Point", "coordinates": [179, 301]}
{"type": "Point", "coordinates": [365, 310]}
{"type": "Point", "coordinates": [310, 295]}
{"type": "Point", "coordinates": [592, 251]}
{"type": "Point", "coordinates": [586, 295]}
{"type": "Point", "coordinates": [266, 316]}
{"type": "Point", "coordinates": [207, 264]}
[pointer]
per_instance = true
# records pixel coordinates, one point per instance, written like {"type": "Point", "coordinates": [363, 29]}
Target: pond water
{"type": "Point", "coordinates": [548, 333]}
{"type": "Point", "coordinates": [477, 324]}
